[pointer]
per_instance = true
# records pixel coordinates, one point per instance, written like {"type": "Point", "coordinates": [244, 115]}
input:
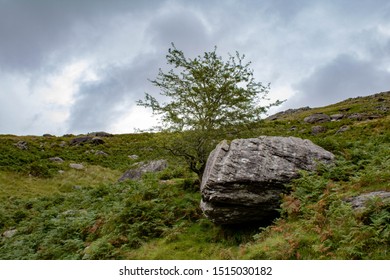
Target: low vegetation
{"type": "Point", "coordinates": [49, 210]}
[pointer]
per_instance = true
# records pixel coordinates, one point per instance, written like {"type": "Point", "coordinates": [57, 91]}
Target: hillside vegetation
{"type": "Point", "coordinates": [49, 210]}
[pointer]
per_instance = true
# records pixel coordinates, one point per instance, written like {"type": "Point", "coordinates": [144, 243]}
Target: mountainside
{"type": "Point", "coordinates": [60, 197]}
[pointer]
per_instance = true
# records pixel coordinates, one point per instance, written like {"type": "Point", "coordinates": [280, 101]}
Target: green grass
{"type": "Point", "coordinates": [16, 185]}
{"type": "Point", "coordinates": [62, 213]}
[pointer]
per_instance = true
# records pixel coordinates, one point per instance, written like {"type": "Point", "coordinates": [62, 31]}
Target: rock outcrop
{"type": "Point", "coordinates": [243, 181]}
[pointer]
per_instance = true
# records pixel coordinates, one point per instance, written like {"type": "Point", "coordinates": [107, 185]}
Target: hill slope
{"type": "Point", "coordinates": [50, 210]}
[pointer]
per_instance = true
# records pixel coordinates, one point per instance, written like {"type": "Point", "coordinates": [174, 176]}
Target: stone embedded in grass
{"type": "Point", "coordinates": [56, 159]}
{"type": "Point", "coordinates": [10, 233]}
{"type": "Point", "coordinates": [288, 112]}
{"type": "Point", "coordinates": [382, 108]}
{"type": "Point", "coordinates": [101, 153]}
{"type": "Point", "coordinates": [336, 117]}
{"type": "Point", "coordinates": [152, 166]}
{"type": "Point", "coordinates": [62, 144]}
{"type": "Point", "coordinates": [317, 129]}
{"type": "Point", "coordinates": [133, 157]}
{"type": "Point", "coordinates": [80, 140]}
{"type": "Point", "coordinates": [100, 134]}
{"type": "Point", "coordinates": [356, 116]}
{"type": "Point", "coordinates": [343, 129]}
{"type": "Point", "coordinates": [22, 145]}
{"type": "Point", "coordinates": [97, 141]}
{"type": "Point", "coordinates": [77, 166]}
{"type": "Point", "coordinates": [317, 118]}
{"type": "Point", "coordinates": [363, 116]}
{"type": "Point", "coordinates": [359, 203]}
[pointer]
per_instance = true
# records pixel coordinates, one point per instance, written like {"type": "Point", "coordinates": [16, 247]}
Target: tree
{"type": "Point", "coordinates": [206, 98]}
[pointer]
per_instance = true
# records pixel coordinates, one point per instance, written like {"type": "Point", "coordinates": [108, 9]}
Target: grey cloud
{"type": "Point", "coordinates": [285, 11]}
{"type": "Point", "coordinates": [182, 27]}
{"type": "Point", "coordinates": [99, 103]}
{"type": "Point", "coordinates": [31, 31]}
{"type": "Point", "coordinates": [362, 9]}
{"type": "Point", "coordinates": [346, 76]}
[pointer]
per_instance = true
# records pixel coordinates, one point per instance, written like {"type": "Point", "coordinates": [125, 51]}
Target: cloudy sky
{"type": "Point", "coordinates": [79, 66]}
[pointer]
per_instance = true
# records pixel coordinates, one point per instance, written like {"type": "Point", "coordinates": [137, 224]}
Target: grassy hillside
{"type": "Point", "coordinates": [49, 210]}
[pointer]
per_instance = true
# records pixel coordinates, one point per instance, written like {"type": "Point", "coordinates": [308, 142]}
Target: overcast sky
{"type": "Point", "coordinates": [79, 66]}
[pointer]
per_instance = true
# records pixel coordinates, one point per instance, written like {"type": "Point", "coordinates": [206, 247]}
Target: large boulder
{"type": "Point", "coordinates": [243, 181]}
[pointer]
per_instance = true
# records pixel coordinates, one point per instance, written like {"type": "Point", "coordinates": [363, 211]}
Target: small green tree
{"type": "Point", "coordinates": [206, 99]}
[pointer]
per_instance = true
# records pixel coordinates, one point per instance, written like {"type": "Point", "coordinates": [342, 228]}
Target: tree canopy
{"type": "Point", "coordinates": [206, 97]}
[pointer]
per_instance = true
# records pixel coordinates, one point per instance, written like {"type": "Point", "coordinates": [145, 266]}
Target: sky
{"type": "Point", "coordinates": [79, 66]}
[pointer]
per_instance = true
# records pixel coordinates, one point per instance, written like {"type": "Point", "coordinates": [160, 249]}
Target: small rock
{"type": "Point", "coordinates": [382, 108]}
{"type": "Point", "coordinates": [152, 166]}
{"type": "Point", "coordinates": [336, 117]}
{"type": "Point", "coordinates": [317, 118]}
{"type": "Point", "coordinates": [359, 202]}
{"type": "Point", "coordinates": [100, 134]}
{"type": "Point", "coordinates": [61, 171]}
{"type": "Point", "coordinates": [342, 129]}
{"type": "Point", "coordinates": [373, 117]}
{"type": "Point", "coordinates": [77, 166]}
{"type": "Point", "coordinates": [56, 159]}
{"type": "Point", "coordinates": [317, 129]}
{"type": "Point", "coordinates": [133, 157]}
{"type": "Point", "coordinates": [80, 140]}
{"type": "Point", "coordinates": [97, 141]}
{"type": "Point", "coordinates": [62, 144]}
{"type": "Point", "coordinates": [22, 145]}
{"type": "Point", "coordinates": [101, 153]}
{"type": "Point", "coordinates": [10, 233]}
{"type": "Point", "coordinates": [77, 187]}
{"type": "Point", "coordinates": [287, 113]}
{"type": "Point", "coordinates": [356, 116]}
{"type": "Point", "coordinates": [69, 212]}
